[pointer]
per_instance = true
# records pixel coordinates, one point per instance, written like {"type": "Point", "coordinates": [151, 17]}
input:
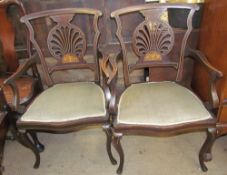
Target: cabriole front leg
{"type": "Point", "coordinates": [117, 145]}
{"type": "Point", "coordinates": [205, 152]}
{"type": "Point", "coordinates": [108, 133]}
{"type": "Point", "coordinates": [22, 138]}
{"type": "Point", "coordinates": [36, 141]}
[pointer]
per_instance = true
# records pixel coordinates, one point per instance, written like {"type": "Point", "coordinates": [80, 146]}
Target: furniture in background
{"type": "Point", "coordinates": [65, 106]}
{"type": "Point", "coordinates": [7, 38]}
{"type": "Point", "coordinates": [161, 108]}
{"type": "Point", "coordinates": [212, 43]}
{"type": "Point", "coordinates": [24, 85]}
{"type": "Point", "coordinates": [7, 35]}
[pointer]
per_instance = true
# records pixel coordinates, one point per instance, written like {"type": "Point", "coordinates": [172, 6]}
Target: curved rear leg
{"type": "Point", "coordinates": [37, 143]}
{"type": "Point", "coordinates": [23, 139]}
{"type": "Point", "coordinates": [108, 133]}
{"type": "Point", "coordinates": [205, 152]}
{"type": "Point", "coordinates": [117, 145]}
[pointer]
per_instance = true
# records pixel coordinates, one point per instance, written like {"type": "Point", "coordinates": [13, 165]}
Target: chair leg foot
{"type": "Point", "coordinates": [10, 135]}
{"type": "Point", "coordinates": [117, 145]}
{"type": "Point", "coordinates": [108, 133]}
{"type": "Point", "coordinates": [36, 141]}
{"type": "Point", "coordinates": [205, 152]}
{"type": "Point", "coordinates": [22, 138]}
{"type": "Point", "coordinates": [207, 157]}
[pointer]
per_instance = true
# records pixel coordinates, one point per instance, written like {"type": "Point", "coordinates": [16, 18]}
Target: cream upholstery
{"type": "Point", "coordinates": [66, 102]}
{"type": "Point", "coordinates": [160, 103]}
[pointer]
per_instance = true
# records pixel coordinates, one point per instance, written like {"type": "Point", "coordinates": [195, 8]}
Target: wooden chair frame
{"type": "Point", "coordinates": [62, 17]}
{"type": "Point", "coordinates": [108, 67]}
{"type": "Point", "coordinates": [131, 129]}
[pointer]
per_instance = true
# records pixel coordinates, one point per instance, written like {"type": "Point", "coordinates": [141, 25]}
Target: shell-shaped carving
{"type": "Point", "coordinates": [153, 37]}
{"type": "Point", "coordinates": [64, 40]}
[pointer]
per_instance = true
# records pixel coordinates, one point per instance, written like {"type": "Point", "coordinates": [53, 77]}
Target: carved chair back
{"type": "Point", "coordinates": [66, 43]}
{"type": "Point", "coordinates": [155, 41]}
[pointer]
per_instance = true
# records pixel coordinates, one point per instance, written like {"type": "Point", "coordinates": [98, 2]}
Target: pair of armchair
{"type": "Point", "coordinates": [149, 108]}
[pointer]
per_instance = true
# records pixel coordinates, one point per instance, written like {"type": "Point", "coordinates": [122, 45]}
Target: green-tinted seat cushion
{"type": "Point", "coordinates": [66, 102]}
{"type": "Point", "coordinates": [160, 103]}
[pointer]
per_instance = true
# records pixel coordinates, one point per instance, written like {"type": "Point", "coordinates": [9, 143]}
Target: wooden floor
{"type": "Point", "coordinates": [83, 153]}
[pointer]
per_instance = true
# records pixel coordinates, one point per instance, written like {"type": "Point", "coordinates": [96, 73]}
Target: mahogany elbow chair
{"type": "Point", "coordinates": [161, 108]}
{"type": "Point", "coordinates": [66, 105]}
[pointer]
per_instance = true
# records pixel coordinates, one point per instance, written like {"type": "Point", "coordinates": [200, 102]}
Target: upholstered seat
{"type": "Point", "coordinates": [66, 102]}
{"type": "Point", "coordinates": [160, 103]}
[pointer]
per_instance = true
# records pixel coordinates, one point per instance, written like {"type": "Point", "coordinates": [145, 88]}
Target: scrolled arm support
{"type": "Point", "coordinates": [214, 73]}
{"type": "Point", "coordinates": [11, 81]}
{"type": "Point", "coordinates": [109, 69]}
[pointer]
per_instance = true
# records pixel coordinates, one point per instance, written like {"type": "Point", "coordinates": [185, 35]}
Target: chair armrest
{"type": "Point", "coordinates": [109, 71]}
{"type": "Point", "coordinates": [109, 68]}
{"type": "Point", "coordinates": [200, 57]}
{"type": "Point", "coordinates": [11, 81]}
{"type": "Point", "coordinates": [214, 73]}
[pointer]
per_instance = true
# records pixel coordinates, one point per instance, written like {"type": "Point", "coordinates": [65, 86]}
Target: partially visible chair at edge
{"type": "Point", "coordinates": [20, 93]}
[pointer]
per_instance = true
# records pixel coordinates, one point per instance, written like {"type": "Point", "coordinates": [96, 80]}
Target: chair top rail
{"type": "Point", "coordinates": [64, 11]}
{"type": "Point", "coordinates": [153, 6]}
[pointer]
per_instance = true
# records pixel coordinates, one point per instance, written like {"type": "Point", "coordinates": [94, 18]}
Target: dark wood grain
{"type": "Point", "coordinates": [153, 18]}
{"type": "Point", "coordinates": [63, 46]}
{"type": "Point", "coordinates": [24, 89]}
{"type": "Point", "coordinates": [7, 33]}
{"type": "Point", "coordinates": [25, 86]}
{"type": "Point", "coordinates": [215, 75]}
{"type": "Point", "coordinates": [151, 55]}
{"type": "Point", "coordinates": [65, 59]}
{"type": "Point", "coordinates": [7, 38]}
{"type": "Point", "coordinates": [211, 43]}
{"type": "Point", "coordinates": [108, 42]}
